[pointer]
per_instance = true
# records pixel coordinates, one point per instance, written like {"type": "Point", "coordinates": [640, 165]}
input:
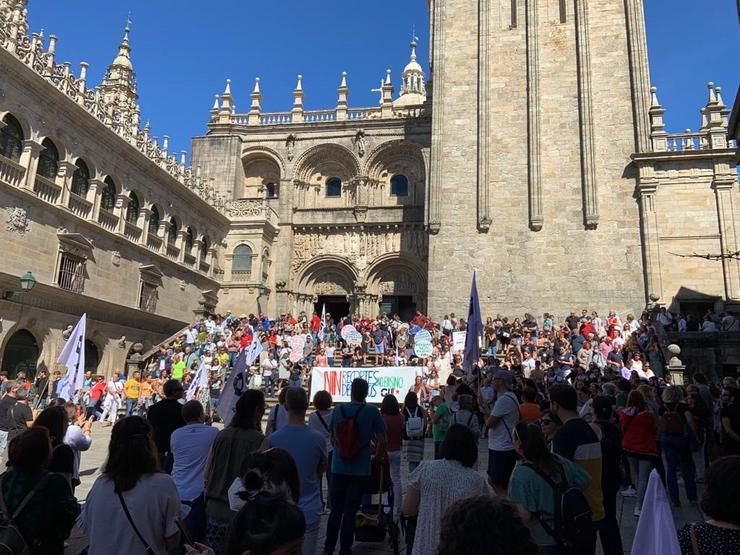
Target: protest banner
{"type": "Point", "coordinates": [346, 330]}
{"type": "Point", "coordinates": [382, 381]}
{"type": "Point", "coordinates": [458, 341]}
{"type": "Point", "coordinates": [422, 349]}
{"type": "Point", "coordinates": [297, 343]}
{"type": "Point", "coordinates": [423, 336]}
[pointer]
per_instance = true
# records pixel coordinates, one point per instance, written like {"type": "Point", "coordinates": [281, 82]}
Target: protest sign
{"type": "Point", "coordinates": [422, 349]}
{"type": "Point", "coordinates": [297, 342]}
{"type": "Point", "coordinates": [458, 341]}
{"type": "Point", "coordinates": [382, 381]}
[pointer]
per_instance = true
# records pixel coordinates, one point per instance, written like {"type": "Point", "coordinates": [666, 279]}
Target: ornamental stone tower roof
{"type": "Point", "coordinates": [413, 90]}
{"type": "Point", "coordinates": [118, 86]}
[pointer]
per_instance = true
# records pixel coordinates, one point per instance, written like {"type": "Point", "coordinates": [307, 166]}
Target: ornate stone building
{"type": "Point", "coordinates": [106, 220]}
{"type": "Point", "coordinates": [534, 151]}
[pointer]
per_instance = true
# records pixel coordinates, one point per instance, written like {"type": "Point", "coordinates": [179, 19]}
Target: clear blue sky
{"type": "Point", "coordinates": [184, 49]}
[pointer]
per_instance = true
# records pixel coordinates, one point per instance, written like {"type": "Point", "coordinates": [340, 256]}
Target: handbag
{"type": "Point", "coordinates": [148, 549]}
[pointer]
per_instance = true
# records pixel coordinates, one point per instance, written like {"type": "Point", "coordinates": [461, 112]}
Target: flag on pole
{"type": "Point", "coordinates": [254, 350]}
{"type": "Point", "coordinates": [322, 327]}
{"type": "Point", "coordinates": [475, 328]}
{"type": "Point", "coordinates": [656, 529]}
{"type": "Point", "coordinates": [233, 389]}
{"type": "Point", "coordinates": [73, 357]}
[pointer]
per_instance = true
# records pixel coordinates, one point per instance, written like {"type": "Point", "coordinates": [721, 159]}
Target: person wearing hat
{"type": "Point", "coordinates": [500, 422]}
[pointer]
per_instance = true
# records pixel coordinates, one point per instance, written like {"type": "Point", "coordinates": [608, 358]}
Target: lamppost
{"type": "Point", "coordinates": [27, 282]}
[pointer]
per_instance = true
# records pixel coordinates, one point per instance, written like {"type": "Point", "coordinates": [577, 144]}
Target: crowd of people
{"type": "Point", "coordinates": [574, 413]}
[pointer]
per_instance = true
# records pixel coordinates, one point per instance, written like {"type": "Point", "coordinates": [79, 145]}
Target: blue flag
{"type": "Point", "coordinates": [475, 329]}
{"type": "Point", "coordinates": [235, 386]}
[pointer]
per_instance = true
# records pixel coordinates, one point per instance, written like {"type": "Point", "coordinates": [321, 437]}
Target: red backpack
{"type": "Point", "coordinates": [349, 443]}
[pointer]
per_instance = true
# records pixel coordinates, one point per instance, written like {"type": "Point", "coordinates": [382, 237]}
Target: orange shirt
{"type": "Point", "coordinates": [530, 412]}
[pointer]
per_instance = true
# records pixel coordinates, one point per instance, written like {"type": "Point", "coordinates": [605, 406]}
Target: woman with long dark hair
{"type": "Point", "coordinates": [132, 507]}
{"type": "Point", "coordinates": [529, 488]}
{"type": "Point", "coordinates": [232, 446]}
{"type": "Point", "coordinates": [394, 423]}
{"type": "Point", "coordinates": [56, 420]}
{"type": "Point", "coordinates": [45, 493]}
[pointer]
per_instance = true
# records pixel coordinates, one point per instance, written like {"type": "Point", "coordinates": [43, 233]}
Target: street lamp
{"type": "Point", "coordinates": [27, 282]}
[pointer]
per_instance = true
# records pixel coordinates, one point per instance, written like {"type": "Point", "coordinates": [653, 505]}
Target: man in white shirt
{"type": "Point", "coordinates": [191, 336]}
{"type": "Point", "coordinates": [190, 446]}
{"type": "Point", "coordinates": [502, 420]}
{"type": "Point", "coordinates": [528, 364]}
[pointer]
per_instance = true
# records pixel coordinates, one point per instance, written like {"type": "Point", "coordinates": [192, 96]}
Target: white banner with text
{"type": "Point", "coordinates": [382, 381]}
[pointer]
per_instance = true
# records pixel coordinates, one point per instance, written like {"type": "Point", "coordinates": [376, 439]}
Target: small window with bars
{"type": "Point", "coordinates": [148, 297]}
{"type": "Point", "coordinates": [71, 275]}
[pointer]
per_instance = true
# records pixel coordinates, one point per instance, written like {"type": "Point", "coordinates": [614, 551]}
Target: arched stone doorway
{"type": "Point", "coordinates": [330, 281]}
{"type": "Point", "coordinates": [21, 353]}
{"type": "Point", "coordinates": [397, 286]}
{"type": "Point", "coordinates": [92, 356]}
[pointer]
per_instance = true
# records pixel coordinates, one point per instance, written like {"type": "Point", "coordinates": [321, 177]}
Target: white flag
{"type": "Point", "coordinates": [322, 327]}
{"type": "Point", "coordinates": [254, 350]}
{"type": "Point", "coordinates": [199, 381]}
{"type": "Point", "coordinates": [656, 529]}
{"type": "Point", "coordinates": [73, 357]}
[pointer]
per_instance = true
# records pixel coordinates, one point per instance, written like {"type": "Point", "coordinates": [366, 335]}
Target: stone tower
{"type": "Point", "coordinates": [118, 86]}
{"type": "Point", "coordinates": [537, 107]}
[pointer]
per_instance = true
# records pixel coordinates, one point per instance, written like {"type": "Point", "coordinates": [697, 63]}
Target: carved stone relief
{"type": "Point", "coordinates": [17, 220]}
{"type": "Point", "coordinates": [360, 247]}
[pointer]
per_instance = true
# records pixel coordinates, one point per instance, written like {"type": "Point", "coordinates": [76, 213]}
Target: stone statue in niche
{"type": "Point", "coordinates": [17, 221]}
{"type": "Point", "coordinates": [115, 258]}
{"type": "Point", "coordinates": [360, 142]}
{"type": "Point", "coordinates": [290, 146]}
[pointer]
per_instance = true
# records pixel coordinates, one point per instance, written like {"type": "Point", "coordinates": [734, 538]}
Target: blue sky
{"type": "Point", "coordinates": [184, 49]}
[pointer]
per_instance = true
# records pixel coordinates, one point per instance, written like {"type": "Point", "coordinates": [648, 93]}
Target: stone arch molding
{"type": "Point", "coordinates": [396, 157]}
{"type": "Point", "coordinates": [392, 274]}
{"type": "Point", "coordinates": [257, 152]}
{"type": "Point", "coordinates": [327, 275]}
{"type": "Point", "coordinates": [320, 162]}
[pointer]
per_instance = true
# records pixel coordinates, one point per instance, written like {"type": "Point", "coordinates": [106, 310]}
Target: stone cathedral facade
{"type": "Point", "coordinates": [532, 151]}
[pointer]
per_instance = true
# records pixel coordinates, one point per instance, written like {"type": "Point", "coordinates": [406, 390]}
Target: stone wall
{"type": "Point", "coordinates": [546, 215]}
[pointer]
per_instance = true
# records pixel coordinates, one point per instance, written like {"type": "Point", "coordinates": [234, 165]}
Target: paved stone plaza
{"type": "Point", "coordinates": [95, 457]}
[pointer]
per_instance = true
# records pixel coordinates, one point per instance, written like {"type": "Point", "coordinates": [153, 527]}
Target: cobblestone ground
{"type": "Point", "coordinates": [93, 459]}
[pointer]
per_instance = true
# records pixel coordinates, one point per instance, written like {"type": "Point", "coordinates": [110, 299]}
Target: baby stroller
{"type": "Point", "coordinates": [375, 518]}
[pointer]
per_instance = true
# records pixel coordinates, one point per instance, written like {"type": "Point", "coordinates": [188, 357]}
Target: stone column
{"type": "Point", "coordinates": [30, 161]}
{"type": "Point", "coordinates": [585, 108]}
{"type": "Point", "coordinates": [211, 258]}
{"type": "Point", "coordinates": [727, 216]}
{"type": "Point", "coordinates": [197, 245]}
{"type": "Point", "coordinates": [66, 169]}
{"type": "Point", "coordinates": [180, 243]}
{"type": "Point", "coordinates": [536, 216]}
{"type": "Point", "coordinates": [93, 195]}
{"type": "Point", "coordinates": [164, 230]}
{"type": "Point", "coordinates": [639, 72]}
{"type": "Point", "coordinates": [647, 188]}
{"type": "Point", "coordinates": [676, 369]}
{"type": "Point", "coordinates": [120, 211]}
{"type": "Point", "coordinates": [143, 223]}
{"type": "Point", "coordinates": [484, 86]}
{"type": "Point", "coordinates": [433, 217]}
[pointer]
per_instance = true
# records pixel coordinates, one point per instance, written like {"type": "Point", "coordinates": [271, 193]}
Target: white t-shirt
{"type": "Point", "coordinates": [191, 335]}
{"type": "Point", "coordinates": [78, 441]}
{"type": "Point", "coordinates": [190, 447]}
{"type": "Point", "coordinates": [507, 409]}
{"type": "Point", "coordinates": [330, 352]}
{"type": "Point", "coordinates": [527, 367]}
{"type": "Point", "coordinates": [153, 504]}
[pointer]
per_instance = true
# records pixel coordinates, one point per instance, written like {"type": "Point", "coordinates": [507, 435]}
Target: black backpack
{"type": "Point", "coordinates": [574, 530]}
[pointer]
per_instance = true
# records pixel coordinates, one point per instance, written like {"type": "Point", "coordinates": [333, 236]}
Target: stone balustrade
{"type": "Point", "coordinates": [11, 172]}
{"type": "Point", "coordinates": [310, 116]}
{"type": "Point", "coordinates": [46, 189]}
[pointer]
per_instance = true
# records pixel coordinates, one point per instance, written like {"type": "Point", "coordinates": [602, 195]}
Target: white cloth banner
{"type": "Point", "coordinates": [458, 341]}
{"type": "Point", "coordinates": [656, 529]}
{"type": "Point", "coordinates": [199, 382]}
{"type": "Point", "coordinates": [383, 380]}
{"type": "Point", "coordinates": [73, 357]}
{"type": "Point", "coordinates": [254, 350]}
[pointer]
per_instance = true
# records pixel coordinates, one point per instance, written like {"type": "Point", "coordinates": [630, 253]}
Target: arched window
{"type": "Point", "coordinates": [11, 139]}
{"type": "Point", "coordinates": [399, 186]}
{"type": "Point", "coordinates": [271, 190]}
{"type": "Point", "coordinates": [242, 261]}
{"type": "Point", "coordinates": [154, 221]}
{"type": "Point", "coordinates": [334, 187]}
{"type": "Point", "coordinates": [204, 248]}
{"type": "Point", "coordinates": [48, 160]}
{"type": "Point", "coordinates": [81, 179]}
{"type": "Point", "coordinates": [132, 210]}
{"type": "Point", "coordinates": [108, 196]}
{"type": "Point", "coordinates": [189, 239]}
{"type": "Point", "coordinates": [172, 233]}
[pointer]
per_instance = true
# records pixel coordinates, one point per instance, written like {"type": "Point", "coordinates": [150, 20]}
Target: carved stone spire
{"type": "Point", "coordinates": [119, 83]}
{"type": "Point", "coordinates": [413, 90]}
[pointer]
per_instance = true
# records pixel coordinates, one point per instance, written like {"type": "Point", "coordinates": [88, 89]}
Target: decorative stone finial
{"type": "Point", "coordinates": [344, 79]}
{"type": "Point", "coordinates": [299, 84]}
{"type": "Point", "coordinates": [718, 93]}
{"type": "Point", "coordinates": [256, 85]}
{"type": "Point", "coordinates": [712, 96]}
{"type": "Point", "coordinates": [654, 97]}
